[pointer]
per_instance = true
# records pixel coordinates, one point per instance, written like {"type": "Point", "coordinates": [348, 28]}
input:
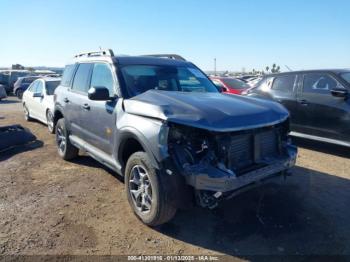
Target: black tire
{"type": "Point", "coordinates": [19, 94]}
{"type": "Point", "coordinates": [26, 113]}
{"type": "Point", "coordinates": [50, 122]}
{"type": "Point", "coordinates": [161, 211]}
{"type": "Point", "coordinates": [64, 147]}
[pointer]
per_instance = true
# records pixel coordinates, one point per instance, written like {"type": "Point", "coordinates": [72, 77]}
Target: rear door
{"type": "Point", "coordinates": [324, 114]}
{"type": "Point", "coordinates": [99, 117]}
{"type": "Point", "coordinates": [283, 90]}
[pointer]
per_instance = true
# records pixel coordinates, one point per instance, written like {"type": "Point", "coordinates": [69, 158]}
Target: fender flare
{"type": "Point", "coordinates": [130, 132]}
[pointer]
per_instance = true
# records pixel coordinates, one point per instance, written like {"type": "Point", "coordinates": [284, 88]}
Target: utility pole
{"type": "Point", "coordinates": [214, 66]}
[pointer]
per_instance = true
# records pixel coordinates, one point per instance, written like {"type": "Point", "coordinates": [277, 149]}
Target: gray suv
{"type": "Point", "coordinates": [159, 122]}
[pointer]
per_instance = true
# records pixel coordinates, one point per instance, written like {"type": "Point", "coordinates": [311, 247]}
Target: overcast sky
{"type": "Point", "coordinates": [239, 33]}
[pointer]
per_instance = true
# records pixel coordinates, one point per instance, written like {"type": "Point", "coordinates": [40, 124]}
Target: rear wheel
{"type": "Point", "coordinates": [147, 191]}
{"type": "Point", "coordinates": [65, 149]}
{"type": "Point", "coordinates": [49, 122]}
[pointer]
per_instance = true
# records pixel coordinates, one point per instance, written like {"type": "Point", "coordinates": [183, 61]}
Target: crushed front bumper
{"type": "Point", "coordinates": [214, 179]}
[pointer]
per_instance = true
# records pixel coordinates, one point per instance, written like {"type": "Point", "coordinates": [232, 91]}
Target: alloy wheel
{"type": "Point", "coordinates": [140, 188]}
{"type": "Point", "coordinates": [60, 139]}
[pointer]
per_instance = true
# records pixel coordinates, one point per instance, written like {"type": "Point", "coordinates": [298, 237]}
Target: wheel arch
{"type": "Point", "coordinates": [131, 141]}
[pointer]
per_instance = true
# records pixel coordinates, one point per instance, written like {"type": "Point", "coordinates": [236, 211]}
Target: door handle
{"type": "Point", "coordinates": [86, 107]}
{"type": "Point", "coordinates": [66, 100]}
{"type": "Point", "coordinates": [303, 102]}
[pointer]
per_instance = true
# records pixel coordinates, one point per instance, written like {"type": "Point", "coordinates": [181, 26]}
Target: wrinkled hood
{"type": "Point", "coordinates": [211, 111]}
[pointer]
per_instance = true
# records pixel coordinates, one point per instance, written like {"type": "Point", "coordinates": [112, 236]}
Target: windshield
{"type": "Point", "coordinates": [51, 86]}
{"type": "Point", "coordinates": [235, 83]}
{"type": "Point", "coordinates": [346, 76]}
{"type": "Point", "coordinates": [141, 78]}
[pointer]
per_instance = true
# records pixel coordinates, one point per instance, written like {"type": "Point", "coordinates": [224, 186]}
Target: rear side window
{"type": "Point", "coordinates": [102, 77]}
{"type": "Point", "coordinates": [80, 82]}
{"type": "Point", "coordinates": [284, 83]}
{"type": "Point", "coordinates": [67, 75]}
{"type": "Point", "coordinates": [318, 83]}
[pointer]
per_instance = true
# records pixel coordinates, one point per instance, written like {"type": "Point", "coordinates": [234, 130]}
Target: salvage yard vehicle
{"type": "Point", "coordinates": [316, 99]}
{"type": "Point", "coordinates": [38, 101]}
{"type": "Point", "coordinates": [159, 122]}
{"type": "Point", "coordinates": [22, 84]}
{"type": "Point", "coordinates": [230, 85]}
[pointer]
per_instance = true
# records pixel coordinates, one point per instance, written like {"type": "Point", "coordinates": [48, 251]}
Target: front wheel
{"type": "Point", "coordinates": [49, 122]}
{"type": "Point", "coordinates": [65, 149]}
{"type": "Point", "coordinates": [26, 113]}
{"type": "Point", "coordinates": [147, 191]}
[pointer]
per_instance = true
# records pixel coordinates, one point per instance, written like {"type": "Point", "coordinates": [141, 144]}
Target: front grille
{"type": "Point", "coordinates": [253, 150]}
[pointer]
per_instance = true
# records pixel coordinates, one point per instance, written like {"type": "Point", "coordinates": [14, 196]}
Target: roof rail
{"type": "Point", "coordinates": [106, 52]}
{"type": "Point", "coordinates": [170, 56]}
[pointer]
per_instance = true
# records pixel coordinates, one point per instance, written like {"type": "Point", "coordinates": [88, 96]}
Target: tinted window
{"type": "Point", "coordinates": [80, 82]}
{"type": "Point", "coordinates": [318, 83]}
{"type": "Point", "coordinates": [235, 83]}
{"type": "Point", "coordinates": [51, 86]}
{"type": "Point", "coordinates": [284, 83]}
{"type": "Point", "coordinates": [102, 77]}
{"type": "Point", "coordinates": [142, 78]}
{"type": "Point", "coordinates": [67, 75]}
{"type": "Point", "coordinates": [346, 77]}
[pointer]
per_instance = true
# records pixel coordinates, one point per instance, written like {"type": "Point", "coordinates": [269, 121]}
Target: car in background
{"type": "Point", "coordinates": [318, 102]}
{"type": "Point", "coordinates": [38, 101]}
{"type": "Point", "coordinates": [22, 84]}
{"type": "Point", "coordinates": [229, 85]}
{"type": "Point", "coordinates": [2, 92]}
{"type": "Point", "coordinates": [10, 76]}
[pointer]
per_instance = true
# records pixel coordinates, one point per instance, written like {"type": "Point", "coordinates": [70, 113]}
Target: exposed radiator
{"type": "Point", "coordinates": [247, 151]}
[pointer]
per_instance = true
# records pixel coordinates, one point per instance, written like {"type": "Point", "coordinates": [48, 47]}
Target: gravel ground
{"type": "Point", "coordinates": [49, 206]}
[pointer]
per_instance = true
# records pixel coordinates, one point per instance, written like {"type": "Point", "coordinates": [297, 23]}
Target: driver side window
{"type": "Point", "coordinates": [102, 77]}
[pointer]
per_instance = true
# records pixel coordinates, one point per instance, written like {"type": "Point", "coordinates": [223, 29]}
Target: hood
{"type": "Point", "coordinates": [211, 111]}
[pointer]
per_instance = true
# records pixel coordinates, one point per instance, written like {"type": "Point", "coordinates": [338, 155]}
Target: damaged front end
{"type": "Point", "coordinates": [220, 164]}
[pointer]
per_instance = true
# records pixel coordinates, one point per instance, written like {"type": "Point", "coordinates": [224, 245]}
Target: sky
{"type": "Point", "coordinates": [249, 34]}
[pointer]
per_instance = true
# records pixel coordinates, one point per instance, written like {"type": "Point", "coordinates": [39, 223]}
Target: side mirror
{"type": "Point", "coordinates": [99, 93]}
{"type": "Point", "coordinates": [339, 92]}
{"type": "Point", "coordinates": [38, 95]}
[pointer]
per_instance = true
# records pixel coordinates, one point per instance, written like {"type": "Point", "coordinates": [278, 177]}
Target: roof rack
{"type": "Point", "coordinates": [170, 56]}
{"type": "Point", "coordinates": [106, 52]}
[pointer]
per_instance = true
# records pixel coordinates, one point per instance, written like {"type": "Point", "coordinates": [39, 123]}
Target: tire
{"type": "Point", "coordinates": [64, 147]}
{"type": "Point", "coordinates": [26, 113]}
{"type": "Point", "coordinates": [157, 209]}
{"type": "Point", "coordinates": [19, 94]}
{"type": "Point", "coordinates": [50, 122]}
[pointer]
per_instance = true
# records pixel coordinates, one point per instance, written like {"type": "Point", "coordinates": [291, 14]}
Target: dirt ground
{"type": "Point", "coordinates": [49, 206]}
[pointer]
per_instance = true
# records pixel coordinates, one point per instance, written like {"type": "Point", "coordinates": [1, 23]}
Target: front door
{"type": "Point", "coordinates": [98, 118]}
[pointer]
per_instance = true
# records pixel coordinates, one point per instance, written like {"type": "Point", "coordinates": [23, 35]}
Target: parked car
{"type": "Point", "coordinates": [22, 84]}
{"type": "Point", "coordinates": [159, 122]}
{"type": "Point", "coordinates": [229, 85]}
{"type": "Point", "coordinates": [317, 101]}
{"type": "Point", "coordinates": [38, 101]}
{"type": "Point", "coordinates": [11, 77]}
{"type": "Point", "coordinates": [2, 92]}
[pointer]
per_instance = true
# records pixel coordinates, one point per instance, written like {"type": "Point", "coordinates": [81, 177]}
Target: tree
{"type": "Point", "coordinates": [267, 69]}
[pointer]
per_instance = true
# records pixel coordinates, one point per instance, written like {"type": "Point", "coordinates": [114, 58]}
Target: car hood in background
{"type": "Point", "coordinates": [211, 111]}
